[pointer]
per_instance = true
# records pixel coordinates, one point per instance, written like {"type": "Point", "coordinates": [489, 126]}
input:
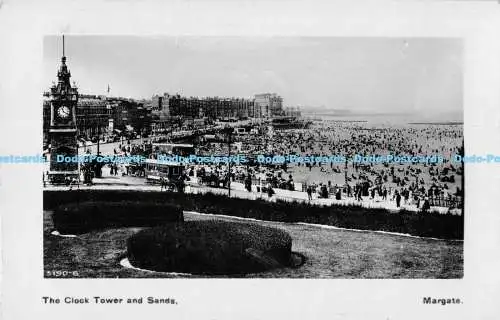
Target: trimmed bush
{"type": "Point", "coordinates": [425, 225]}
{"type": "Point", "coordinates": [75, 218]}
{"type": "Point", "coordinates": [210, 247]}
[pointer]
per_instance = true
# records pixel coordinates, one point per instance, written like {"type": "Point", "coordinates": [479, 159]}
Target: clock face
{"type": "Point", "coordinates": [63, 112]}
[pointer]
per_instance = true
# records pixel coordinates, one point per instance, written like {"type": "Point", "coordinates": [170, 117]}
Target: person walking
{"type": "Point", "coordinates": [270, 191]}
{"type": "Point", "coordinates": [426, 205]}
{"type": "Point", "coordinates": [338, 194]}
{"type": "Point", "coordinates": [309, 193]}
{"type": "Point", "coordinates": [181, 184]}
{"type": "Point", "coordinates": [248, 183]}
{"type": "Point", "coordinates": [398, 199]}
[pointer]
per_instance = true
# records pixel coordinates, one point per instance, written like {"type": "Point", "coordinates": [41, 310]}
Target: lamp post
{"type": "Point", "coordinates": [228, 131]}
{"type": "Point", "coordinates": [462, 151]}
{"type": "Point", "coordinates": [345, 172]}
{"type": "Point", "coordinates": [98, 137]}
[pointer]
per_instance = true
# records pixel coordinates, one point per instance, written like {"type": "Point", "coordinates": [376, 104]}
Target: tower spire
{"type": "Point", "coordinates": [63, 73]}
{"type": "Point", "coordinates": [63, 58]}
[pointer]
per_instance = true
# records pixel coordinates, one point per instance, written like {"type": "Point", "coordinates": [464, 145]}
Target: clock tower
{"type": "Point", "coordinates": [62, 131]}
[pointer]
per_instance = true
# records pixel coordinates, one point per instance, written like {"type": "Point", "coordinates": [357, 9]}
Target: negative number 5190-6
{"type": "Point", "coordinates": [61, 273]}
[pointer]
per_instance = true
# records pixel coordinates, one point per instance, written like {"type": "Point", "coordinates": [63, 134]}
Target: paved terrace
{"type": "Point", "coordinates": [238, 191]}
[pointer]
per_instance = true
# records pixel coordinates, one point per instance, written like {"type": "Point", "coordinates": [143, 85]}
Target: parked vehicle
{"type": "Point", "coordinates": [165, 173]}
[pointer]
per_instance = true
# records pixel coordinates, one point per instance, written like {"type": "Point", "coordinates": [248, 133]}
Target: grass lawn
{"type": "Point", "coordinates": [330, 253]}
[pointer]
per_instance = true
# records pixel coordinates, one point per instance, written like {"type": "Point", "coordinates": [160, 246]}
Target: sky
{"type": "Point", "coordinates": [421, 76]}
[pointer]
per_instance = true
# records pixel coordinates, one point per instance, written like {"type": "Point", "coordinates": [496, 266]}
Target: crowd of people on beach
{"type": "Point", "coordinates": [403, 183]}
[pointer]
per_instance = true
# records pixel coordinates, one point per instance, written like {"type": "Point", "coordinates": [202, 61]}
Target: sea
{"type": "Point", "coordinates": [382, 119]}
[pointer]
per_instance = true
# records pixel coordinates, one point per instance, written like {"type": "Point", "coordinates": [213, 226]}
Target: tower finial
{"type": "Point", "coordinates": [63, 45]}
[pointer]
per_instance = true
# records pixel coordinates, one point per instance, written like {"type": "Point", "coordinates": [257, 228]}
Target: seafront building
{"type": "Point", "coordinates": [99, 115]}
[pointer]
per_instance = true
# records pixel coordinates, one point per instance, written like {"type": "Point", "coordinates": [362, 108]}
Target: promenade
{"type": "Point", "coordinates": [238, 190]}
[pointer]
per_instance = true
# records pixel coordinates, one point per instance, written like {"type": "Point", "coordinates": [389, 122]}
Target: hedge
{"type": "Point", "coordinates": [81, 217]}
{"type": "Point", "coordinates": [356, 217]}
{"type": "Point", "coordinates": [210, 247]}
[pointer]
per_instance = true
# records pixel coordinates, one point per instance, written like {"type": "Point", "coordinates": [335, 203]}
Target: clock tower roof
{"type": "Point", "coordinates": [63, 86]}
